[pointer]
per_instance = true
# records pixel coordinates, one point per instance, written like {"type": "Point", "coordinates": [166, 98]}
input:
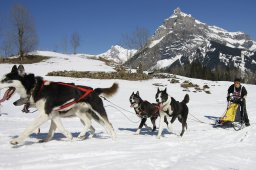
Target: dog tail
{"type": "Point", "coordinates": [107, 91]}
{"type": "Point", "coordinates": [186, 99]}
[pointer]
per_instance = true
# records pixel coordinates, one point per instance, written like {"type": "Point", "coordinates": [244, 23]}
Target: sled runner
{"type": "Point", "coordinates": [232, 117]}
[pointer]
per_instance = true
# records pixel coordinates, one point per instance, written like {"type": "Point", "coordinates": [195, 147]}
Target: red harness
{"type": "Point", "coordinates": [143, 114]}
{"type": "Point", "coordinates": [59, 108]}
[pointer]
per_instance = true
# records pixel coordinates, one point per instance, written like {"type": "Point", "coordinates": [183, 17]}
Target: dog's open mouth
{"type": "Point", "coordinates": [8, 94]}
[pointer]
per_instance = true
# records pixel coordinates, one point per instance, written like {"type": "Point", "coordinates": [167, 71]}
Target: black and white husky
{"type": "Point", "coordinates": [55, 100]}
{"type": "Point", "coordinates": [169, 107]}
{"type": "Point", "coordinates": [144, 110]}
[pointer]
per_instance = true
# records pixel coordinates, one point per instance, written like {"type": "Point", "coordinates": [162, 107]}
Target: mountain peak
{"type": "Point", "coordinates": [118, 54]}
{"type": "Point", "coordinates": [182, 39]}
{"type": "Point", "coordinates": [177, 11]}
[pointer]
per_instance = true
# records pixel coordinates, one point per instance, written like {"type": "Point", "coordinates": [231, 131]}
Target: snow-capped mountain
{"type": "Point", "coordinates": [181, 39]}
{"type": "Point", "coordinates": [118, 54]}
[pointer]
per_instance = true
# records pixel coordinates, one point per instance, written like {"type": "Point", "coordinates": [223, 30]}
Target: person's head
{"type": "Point", "coordinates": [237, 82]}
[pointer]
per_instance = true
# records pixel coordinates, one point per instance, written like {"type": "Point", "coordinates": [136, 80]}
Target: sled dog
{"type": "Point", "coordinates": [169, 107]}
{"type": "Point", "coordinates": [144, 110]}
{"type": "Point", "coordinates": [55, 100]}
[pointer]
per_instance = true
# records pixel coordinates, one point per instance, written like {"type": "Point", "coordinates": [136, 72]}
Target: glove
{"type": "Point", "coordinates": [241, 100]}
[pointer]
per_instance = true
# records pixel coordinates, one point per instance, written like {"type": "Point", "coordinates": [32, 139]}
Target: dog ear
{"type": "Point", "coordinates": [14, 69]}
{"type": "Point", "coordinates": [138, 93]}
{"type": "Point", "coordinates": [165, 89]}
{"type": "Point", "coordinates": [158, 89]}
{"type": "Point", "coordinates": [21, 70]}
{"type": "Point", "coordinates": [133, 93]}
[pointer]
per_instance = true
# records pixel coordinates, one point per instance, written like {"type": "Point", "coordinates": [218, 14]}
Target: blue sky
{"type": "Point", "coordinates": [101, 23]}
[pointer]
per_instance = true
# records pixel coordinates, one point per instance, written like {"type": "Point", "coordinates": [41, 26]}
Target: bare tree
{"type": "Point", "coordinates": [25, 33]}
{"type": "Point", "coordinates": [137, 39]}
{"type": "Point", "coordinates": [75, 41]}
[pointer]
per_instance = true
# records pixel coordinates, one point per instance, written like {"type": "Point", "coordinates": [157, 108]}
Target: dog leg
{"type": "Point", "coordinates": [60, 126]}
{"type": "Point", "coordinates": [174, 118]}
{"type": "Point", "coordinates": [183, 129]}
{"type": "Point", "coordinates": [162, 115]}
{"type": "Point", "coordinates": [42, 118]}
{"type": "Point", "coordinates": [105, 123]}
{"type": "Point", "coordinates": [87, 124]}
{"type": "Point", "coordinates": [153, 120]}
{"type": "Point", "coordinates": [169, 125]}
{"type": "Point", "coordinates": [143, 121]}
{"type": "Point", "coordinates": [165, 120]}
{"type": "Point", "coordinates": [50, 133]}
{"type": "Point", "coordinates": [184, 125]}
{"type": "Point", "coordinates": [92, 130]}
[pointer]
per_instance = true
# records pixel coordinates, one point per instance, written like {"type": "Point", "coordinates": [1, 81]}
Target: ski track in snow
{"type": "Point", "coordinates": [202, 146]}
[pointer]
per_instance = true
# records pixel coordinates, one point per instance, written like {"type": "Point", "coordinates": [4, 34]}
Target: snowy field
{"type": "Point", "coordinates": [202, 146]}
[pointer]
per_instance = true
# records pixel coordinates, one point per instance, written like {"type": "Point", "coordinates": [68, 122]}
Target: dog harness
{"type": "Point", "coordinates": [143, 114]}
{"type": "Point", "coordinates": [64, 106]}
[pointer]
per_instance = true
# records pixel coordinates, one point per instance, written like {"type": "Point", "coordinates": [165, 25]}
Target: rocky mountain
{"type": "Point", "coordinates": [182, 39]}
{"type": "Point", "coordinates": [118, 54]}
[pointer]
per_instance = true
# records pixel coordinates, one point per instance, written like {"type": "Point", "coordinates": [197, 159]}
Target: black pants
{"type": "Point", "coordinates": [244, 111]}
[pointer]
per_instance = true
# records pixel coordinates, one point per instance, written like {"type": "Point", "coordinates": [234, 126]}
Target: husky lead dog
{"type": "Point", "coordinates": [55, 100]}
{"type": "Point", "coordinates": [169, 107]}
{"type": "Point", "coordinates": [144, 110]}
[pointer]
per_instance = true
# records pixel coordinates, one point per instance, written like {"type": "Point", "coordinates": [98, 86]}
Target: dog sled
{"type": "Point", "coordinates": [232, 116]}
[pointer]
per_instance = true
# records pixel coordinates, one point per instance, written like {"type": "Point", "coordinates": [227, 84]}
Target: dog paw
{"type": "Point", "coordinates": [69, 136]}
{"type": "Point", "coordinates": [82, 137]}
{"type": "Point", "coordinates": [137, 132]}
{"type": "Point", "coordinates": [158, 137]}
{"type": "Point", "coordinates": [37, 131]}
{"type": "Point", "coordinates": [43, 140]}
{"type": "Point", "coordinates": [14, 142]}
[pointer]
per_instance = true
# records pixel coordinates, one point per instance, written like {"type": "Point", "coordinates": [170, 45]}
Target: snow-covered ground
{"type": "Point", "coordinates": [201, 147]}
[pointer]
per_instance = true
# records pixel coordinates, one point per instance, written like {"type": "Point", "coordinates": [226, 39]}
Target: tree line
{"type": "Point", "coordinates": [220, 73]}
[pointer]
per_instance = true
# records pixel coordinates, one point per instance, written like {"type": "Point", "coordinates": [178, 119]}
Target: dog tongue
{"type": "Point", "coordinates": [8, 94]}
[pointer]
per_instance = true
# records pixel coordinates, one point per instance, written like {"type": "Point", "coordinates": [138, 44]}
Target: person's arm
{"type": "Point", "coordinates": [230, 90]}
{"type": "Point", "coordinates": [244, 92]}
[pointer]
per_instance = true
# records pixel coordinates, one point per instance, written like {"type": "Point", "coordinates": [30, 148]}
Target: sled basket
{"type": "Point", "coordinates": [231, 114]}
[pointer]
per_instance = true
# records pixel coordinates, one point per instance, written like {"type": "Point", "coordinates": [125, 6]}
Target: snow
{"type": "Point", "coordinates": [155, 42]}
{"type": "Point", "coordinates": [61, 62]}
{"type": "Point", "coordinates": [118, 54]}
{"type": "Point", "coordinates": [166, 62]}
{"type": "Point", "coordinates": [201, 147]}
{"type": "Point", "coordinates": [253, 47]}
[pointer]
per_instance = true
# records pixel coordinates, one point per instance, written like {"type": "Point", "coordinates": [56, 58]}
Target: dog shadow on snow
{"type": "Point", "coordinates": [146, 131]}
{"type": "Point", "coordinates": [58, 137]}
